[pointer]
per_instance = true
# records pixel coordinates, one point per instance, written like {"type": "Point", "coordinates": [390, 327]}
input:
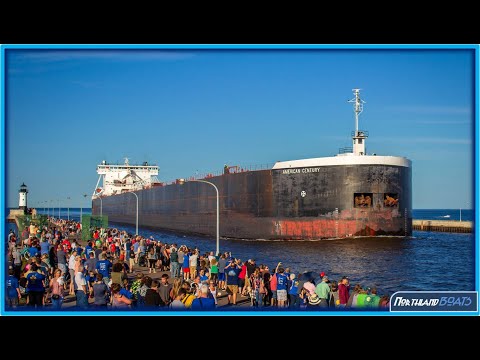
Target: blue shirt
{"type": "Point", "coordinates": [103, 267]}
{"type": "Point", "coordinates": [126, 293]}
{"type": "Point", "coordinates": [204, 278]}
{"type": "Point", "coordinates": [203, 304]}
{"type": "Point", "coordinates": [135, 247]}
{"type": "Point", "coordinates": [294, 287]}
{"type": "Point", "coordinates": [88, 250]}
{"type": "Point", "coordinates": [186, 260]}
{"type": "Point", "coordinates": [281, 281]}
{"type": "Point", "coordinates": [232, 275]}
{"type": "Point", "coordinates": [44, 247]}
{"type": "Point", "coordinates": [12, 286]}
{"type": "Point", "coordinates": [90, 279]}
{"type": "Point", "coordinates": [33, 251]}
{"type": "Point", "coordinates": [34, 281]}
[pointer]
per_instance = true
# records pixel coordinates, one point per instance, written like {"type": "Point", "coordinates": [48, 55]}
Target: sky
{"type": "Point", "coordinates": [192, 111]}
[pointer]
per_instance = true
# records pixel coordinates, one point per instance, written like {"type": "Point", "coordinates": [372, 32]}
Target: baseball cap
{"type": "Point", "coordinates": [322, 274]}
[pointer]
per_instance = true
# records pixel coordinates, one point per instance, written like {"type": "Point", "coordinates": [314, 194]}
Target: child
{"type": "Point", "coordinates": [125, 290]}
{"type": "Point", "coordinates": [203, 277]}
{"type": "Point", "coordinates": [213, 291]}
{"type": "Point", "coordinates": [91, 278]}
{"type": "Point", "coordinates": [293, 292]}
{"type": "Point", "coordinates": [214, 270]}
{"type": "Point", "coordinates": [132, 259]}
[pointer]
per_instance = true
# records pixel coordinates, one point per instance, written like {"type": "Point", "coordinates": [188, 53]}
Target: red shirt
{"type": "Point", "coordinates": [343, 293]}
{"type": "Point", "coordinates": [67, 244]}
{"type": "Point", "coordinates": [243, 272]}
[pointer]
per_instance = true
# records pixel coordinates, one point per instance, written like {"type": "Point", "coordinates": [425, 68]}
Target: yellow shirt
{"type": "Point", "coordinates": [187, 300]}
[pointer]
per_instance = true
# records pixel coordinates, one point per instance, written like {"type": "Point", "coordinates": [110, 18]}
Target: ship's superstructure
{"type": "Point", "coordinates": [121, 178]}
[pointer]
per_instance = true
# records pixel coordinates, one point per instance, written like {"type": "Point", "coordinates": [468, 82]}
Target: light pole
{"type": "Point", "coordinates": [136, 221]}
{"type": "Point", "coordinates": [182, 181]}
{"type": "Point", "coordinates": [68, 208]}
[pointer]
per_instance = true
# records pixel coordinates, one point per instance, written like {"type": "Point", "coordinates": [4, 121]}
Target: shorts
{"type": "Point", "coordinates": [274, 294]}
{"type": "Point", "coordinates": [232, 289]}
{"type": "Point", "coordinates": [221, 276]}
{"type": "Point", "coordinates": [241, 282]}
{"type": "Point", "coordinates": [186, 270]}
{"type": "Point", "coordinates": [72, 274]}
{"type": "Point", "coordinates": [63, 268]}
{"type": "Point", "coordinates": [193, 269]}
{"type": "Point", "coordinates": [281, 295]}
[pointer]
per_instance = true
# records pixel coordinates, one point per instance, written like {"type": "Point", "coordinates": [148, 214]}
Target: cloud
{"type": "Point", "coordinates": [432, 110]}
{"type": "Point", "coordinates": [55, 56]}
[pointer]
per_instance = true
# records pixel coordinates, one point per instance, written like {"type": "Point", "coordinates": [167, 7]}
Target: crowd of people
{"type": "Point", "coordinates": [48, 265]}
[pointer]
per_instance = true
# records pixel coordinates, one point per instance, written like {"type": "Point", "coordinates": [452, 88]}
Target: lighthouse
{"type": "Point", "coordinates": [22, 200]}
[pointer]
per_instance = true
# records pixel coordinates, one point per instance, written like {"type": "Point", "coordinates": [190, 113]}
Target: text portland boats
{"type": "Point", "coordinates": [351, 194]}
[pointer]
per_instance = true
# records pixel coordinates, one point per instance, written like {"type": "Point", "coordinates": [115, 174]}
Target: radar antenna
{"type": "Point", "coordinates": [357, 107]}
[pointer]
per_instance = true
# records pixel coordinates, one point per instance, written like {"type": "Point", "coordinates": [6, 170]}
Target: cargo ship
{"type": "Point", "coordinates": [350, 194]}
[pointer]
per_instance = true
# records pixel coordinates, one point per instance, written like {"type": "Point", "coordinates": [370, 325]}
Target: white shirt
{"type": "Point", "coordinates": [214, 294]}
{"type": "Point", "coordinates": [193, 260]}
{"type": "Point", "coordinates": [79, 281]}
{"type": "Point", "coordinates": [177, 304]}
{"type": "Point", "coordinates": [71, 262]}
{"type": "Point", "coordinates": [16, 257]}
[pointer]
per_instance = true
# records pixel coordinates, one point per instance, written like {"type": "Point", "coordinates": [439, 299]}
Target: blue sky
{"type": "Point", "coordinates": [195, 110]}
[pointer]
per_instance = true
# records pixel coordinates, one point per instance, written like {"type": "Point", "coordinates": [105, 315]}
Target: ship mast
{"type": "Point", "coordinates": [358, 136]}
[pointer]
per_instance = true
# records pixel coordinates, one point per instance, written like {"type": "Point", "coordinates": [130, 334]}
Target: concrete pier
{"type": "Point", "coordinates": [443, 226]}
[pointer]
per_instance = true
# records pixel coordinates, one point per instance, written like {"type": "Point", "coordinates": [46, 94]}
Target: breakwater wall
{"type": "Point", "coordinates": [443, 226]}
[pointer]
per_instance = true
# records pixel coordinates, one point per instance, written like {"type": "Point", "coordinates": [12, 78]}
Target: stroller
{"type": "Point", "coordinates": [142, 260]}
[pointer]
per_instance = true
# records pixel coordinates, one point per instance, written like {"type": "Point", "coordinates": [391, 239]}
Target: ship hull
{"type": "Point", "coordinates": [301, 204]}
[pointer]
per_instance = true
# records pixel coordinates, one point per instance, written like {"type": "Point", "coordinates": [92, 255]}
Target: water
{"type": "Point", "coordinates": [427, 261]}
{"type": "Point", "coordinates": [443, 214]}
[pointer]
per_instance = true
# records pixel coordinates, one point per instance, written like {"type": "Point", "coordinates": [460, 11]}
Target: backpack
{"type": "Point", "coordinates": [174, 256]}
